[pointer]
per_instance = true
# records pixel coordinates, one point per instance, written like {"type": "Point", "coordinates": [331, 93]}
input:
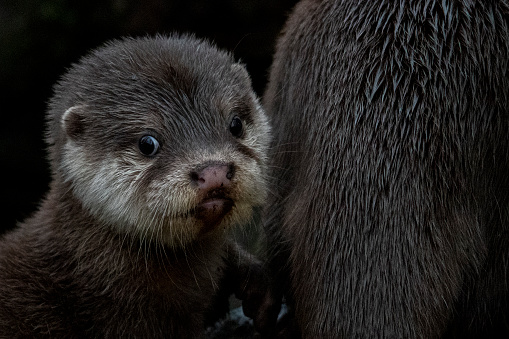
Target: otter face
{"type": "Point", "coordinates": [161, 138]}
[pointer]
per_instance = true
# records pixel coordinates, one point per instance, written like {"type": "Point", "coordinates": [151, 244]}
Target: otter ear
{"type": "Point", "coordinates": [73, 121]}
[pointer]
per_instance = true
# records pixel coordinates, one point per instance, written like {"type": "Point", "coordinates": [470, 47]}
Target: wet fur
{"type": "Point", "coordinates": [390, 159]}
{"type": "Point", "coordinates": [115, 249]}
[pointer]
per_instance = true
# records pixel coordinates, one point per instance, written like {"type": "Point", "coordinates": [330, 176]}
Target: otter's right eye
{"type": "Point", "coordinates": [148, 145]}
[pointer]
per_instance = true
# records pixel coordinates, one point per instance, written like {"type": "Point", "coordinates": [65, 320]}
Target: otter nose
{"type": "Point", "coordinates": [213, 176]}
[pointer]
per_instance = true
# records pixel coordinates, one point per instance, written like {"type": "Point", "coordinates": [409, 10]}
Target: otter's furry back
{"type": "Point", "coordinates": [391, 124]}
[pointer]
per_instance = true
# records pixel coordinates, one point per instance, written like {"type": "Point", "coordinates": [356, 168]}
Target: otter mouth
{"type": "Point", "coordinates": [212, 209]}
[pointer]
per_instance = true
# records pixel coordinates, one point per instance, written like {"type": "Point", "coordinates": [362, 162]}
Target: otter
{"type": "Point", "coordinates": [158, 147]}
{"type": "Point", "coordinates": [388, 214]}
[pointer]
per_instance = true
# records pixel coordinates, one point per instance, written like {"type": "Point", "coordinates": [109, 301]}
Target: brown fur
{"type": "Point", "coordinates": [390, 212]}
{"type": "Point", "coordinates": [117, 248]}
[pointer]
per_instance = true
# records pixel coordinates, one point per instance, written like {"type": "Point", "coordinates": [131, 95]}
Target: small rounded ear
{"type": "Point", "coordinates": [73, 121]}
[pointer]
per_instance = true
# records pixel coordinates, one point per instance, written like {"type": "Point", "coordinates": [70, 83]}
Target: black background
{"type": "Point", "coordinates": [39, 40]}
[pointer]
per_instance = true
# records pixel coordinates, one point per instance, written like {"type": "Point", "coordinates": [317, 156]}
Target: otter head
{"type": "Point", "coordinates": [160, 138]}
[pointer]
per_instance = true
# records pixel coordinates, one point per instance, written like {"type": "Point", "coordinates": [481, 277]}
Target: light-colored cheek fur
{"type": "Point", "coordinates": [110, 190]}
{"type": "Point", "coordinates": [107, 188]}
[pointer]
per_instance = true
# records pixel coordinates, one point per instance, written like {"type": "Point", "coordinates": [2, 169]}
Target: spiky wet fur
{"type": "Point", "coordinates": [390, 162]}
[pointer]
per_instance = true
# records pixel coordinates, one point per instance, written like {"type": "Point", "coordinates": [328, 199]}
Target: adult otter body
{"type": "Point", "coordinates": [157, 147]}
{"type": "Point", "coordinates": [390, 151]}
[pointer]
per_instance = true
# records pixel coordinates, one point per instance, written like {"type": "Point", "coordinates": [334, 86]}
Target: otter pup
{"type": "Point", "coordinates": [157, 147]}
{"type": "Point", "coordinates": [390, 208]}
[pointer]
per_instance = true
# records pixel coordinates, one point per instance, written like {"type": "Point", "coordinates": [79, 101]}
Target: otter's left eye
{"type": "Point", "coordinates": [236, 127]}
{"type": "Point", "coordinates": [148, 145]}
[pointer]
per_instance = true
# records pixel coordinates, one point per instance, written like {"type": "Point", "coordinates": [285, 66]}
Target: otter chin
{"type": "Point", "coordinates": [211, 211]}
{"type": "Point", "coordinates": [157, 148]}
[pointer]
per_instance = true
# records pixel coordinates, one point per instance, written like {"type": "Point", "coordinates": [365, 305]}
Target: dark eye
{"type": "Point", "coordinates": [148, 145]}
{"type": "Point", "coordinates": [236, 127]}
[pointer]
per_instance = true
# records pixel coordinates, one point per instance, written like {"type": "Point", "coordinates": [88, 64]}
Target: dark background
{"type": "Point", "coordinates": [40, 39]}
